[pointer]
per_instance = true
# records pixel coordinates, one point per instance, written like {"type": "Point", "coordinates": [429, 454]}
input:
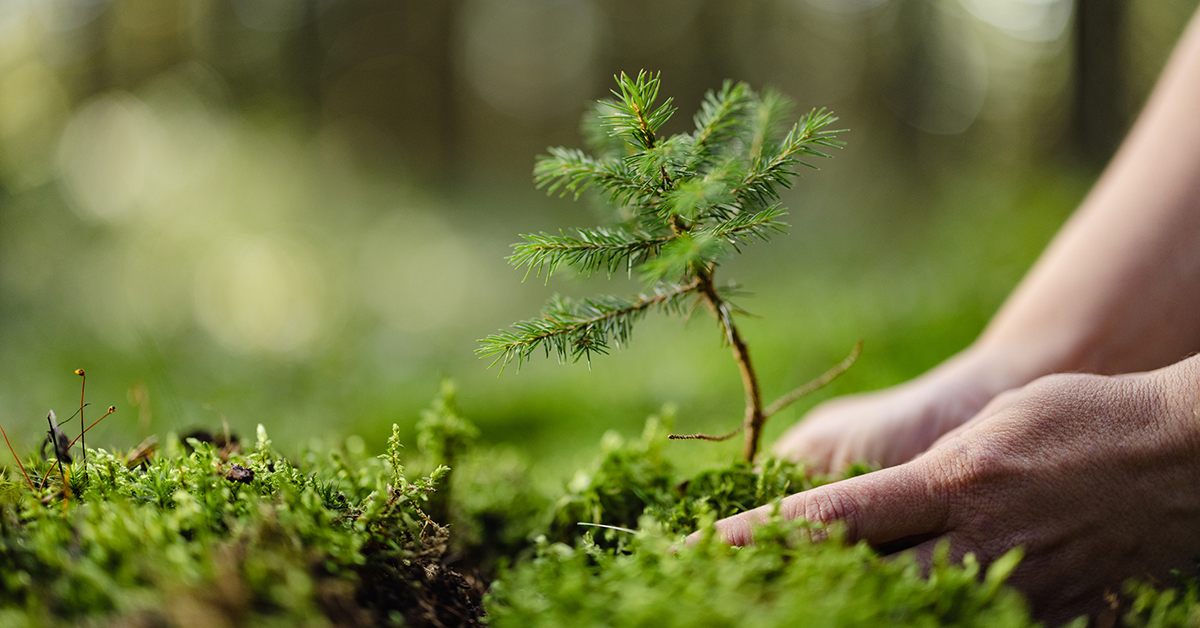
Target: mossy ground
{"type": "Point", "coordinates": [213, 534]}
{"type": "Point", "coordinates": [199, 536]}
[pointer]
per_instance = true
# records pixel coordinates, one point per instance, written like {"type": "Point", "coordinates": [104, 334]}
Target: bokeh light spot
{"type": "Point", "coordinates": [106, 153]}
{"type": "Point", "coordinates": [260, 294]}
{"type": "Point", "coordinates": [416, 273]}
{"type": "Point", "coordinates": [33, 106]}
{"type": "Point", "coordinates": [1029, 20]}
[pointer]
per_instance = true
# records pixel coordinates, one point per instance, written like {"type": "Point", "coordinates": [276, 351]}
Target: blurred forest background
{"type": "Point", "coordinates": [295, 212]}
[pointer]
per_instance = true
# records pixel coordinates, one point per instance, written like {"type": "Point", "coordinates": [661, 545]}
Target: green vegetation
{"type": "Point", "coordinates": [681, 204]}
{"type": "Point", "coordinates": [204, 532]}
{"type": "Point", "coordinates": [200, 535]}
{"type": "Point", "coordinates": [209, 533]}
{"type": "Point", "coordinates": [783, 581]}
{"type": "Point", "coordinates": [635, 479]}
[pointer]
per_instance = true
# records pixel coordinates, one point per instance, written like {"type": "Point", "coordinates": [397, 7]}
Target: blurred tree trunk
{"type": "Point", "coordinates": [389, 66]}
{"type": "Point", "coordinates": [1100, 121]}
{"type": "Point", "coordinates": [439, 108]}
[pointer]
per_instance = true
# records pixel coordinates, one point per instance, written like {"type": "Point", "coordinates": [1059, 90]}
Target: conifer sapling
{"type": "Point", "coordinates": [679, 205]}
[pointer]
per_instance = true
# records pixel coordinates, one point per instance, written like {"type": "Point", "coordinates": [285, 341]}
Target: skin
{"type": "Point", "coordinates": [1117, 291]}
{"type": "Point", "coordinates": [1094, 476]}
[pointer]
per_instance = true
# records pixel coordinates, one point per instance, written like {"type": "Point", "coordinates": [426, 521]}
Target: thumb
{"type": "Point", "coordinates": [880, 507]}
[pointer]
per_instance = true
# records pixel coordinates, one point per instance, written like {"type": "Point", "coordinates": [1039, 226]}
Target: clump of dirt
{"type": "Point", "coordinates": [421, 588]}
{"type": "Point", "coordinates": [425, 592]}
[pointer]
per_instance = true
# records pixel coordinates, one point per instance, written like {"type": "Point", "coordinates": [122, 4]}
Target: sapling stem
{"type": "Point", "coordinates": [754, 418]}
{"type": "Point", "coordinates": [786, 400]}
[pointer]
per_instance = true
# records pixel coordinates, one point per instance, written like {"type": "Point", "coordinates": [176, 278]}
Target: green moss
{"type": "Point", "coordinates": [635, 479]}
{"type": "Point", "coordinates": [200, 535]}
{"type": "Point", "coordinates": [636, 570]}
{"type": "Point", "coordinates": [250, 538]}
{"type": "Point", "coordinates": [784, 580]}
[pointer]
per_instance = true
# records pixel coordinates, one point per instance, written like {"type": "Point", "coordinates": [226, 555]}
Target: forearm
{"type": "Point", "coordinates": [1119, 288]}
{"type": "Point", "coordinates": [1117, 291]}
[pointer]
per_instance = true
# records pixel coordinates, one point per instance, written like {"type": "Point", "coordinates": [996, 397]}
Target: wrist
{"type": "Point", "coordinates": [1178, 386]}
{"type": "Point", "coordinates": [988, 369]}
{"type": "Point", "coordinates": [1015, 360]}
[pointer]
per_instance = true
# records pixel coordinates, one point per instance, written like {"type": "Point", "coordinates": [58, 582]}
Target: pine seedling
{"type": "Point", "coordinates": [680, 205]}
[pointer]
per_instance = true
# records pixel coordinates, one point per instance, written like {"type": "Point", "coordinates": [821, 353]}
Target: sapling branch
{"type": "Point", "coordinates": [707, 437]}
{"type": "Point", "coordinates": [683, 203]}
{"type": "Point", "coordinates": [816, 384]}
{"type": "Point", "coordinates": [589, 250]}
{"type": "Point", "coordinates": [577, 330]}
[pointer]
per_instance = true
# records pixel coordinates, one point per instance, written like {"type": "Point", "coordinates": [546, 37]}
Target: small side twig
{"type": "Point", "coordinates": [708, 437]}
{"type": "Point", "coordinates": [817, 383]}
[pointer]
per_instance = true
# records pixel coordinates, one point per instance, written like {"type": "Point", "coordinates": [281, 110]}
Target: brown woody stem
{"type": "Point", "coordinates": [708, 437]}
{"type": "Point", "coordinates": [754, 418]}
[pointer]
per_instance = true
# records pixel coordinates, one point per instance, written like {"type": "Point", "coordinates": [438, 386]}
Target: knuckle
{"type": "Point", "coordinates": [954, 473]}
{"type": "Point", "coordinates": [1061, 387]}
{"type": "Point", "coordinates": [827, 505]}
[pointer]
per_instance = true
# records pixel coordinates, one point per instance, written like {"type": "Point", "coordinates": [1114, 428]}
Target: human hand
{"type": "Point", "coordinates": [1095, 477]}
{"type": "Point", "coordinates": [894, 425]}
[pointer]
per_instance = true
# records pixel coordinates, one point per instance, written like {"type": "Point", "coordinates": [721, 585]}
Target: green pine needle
{"type": "Point", "coordinates": [588, 250]}
{"type": "Point", "coordinates": [576, 329]}
{"type": "Point", "coordinates": [720, 117]}
{"type": "Point", "coordinates": [569, 170]}
{"type": "Point", "coordinates": [685, 202]}
{"type": "Point", "coordinates": [635, 116]}
{"type": "Point", "coordinates": [778, 169]}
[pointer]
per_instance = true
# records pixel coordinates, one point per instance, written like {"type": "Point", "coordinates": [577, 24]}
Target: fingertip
{"type": "Point", "coordinates": [738, 530]}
